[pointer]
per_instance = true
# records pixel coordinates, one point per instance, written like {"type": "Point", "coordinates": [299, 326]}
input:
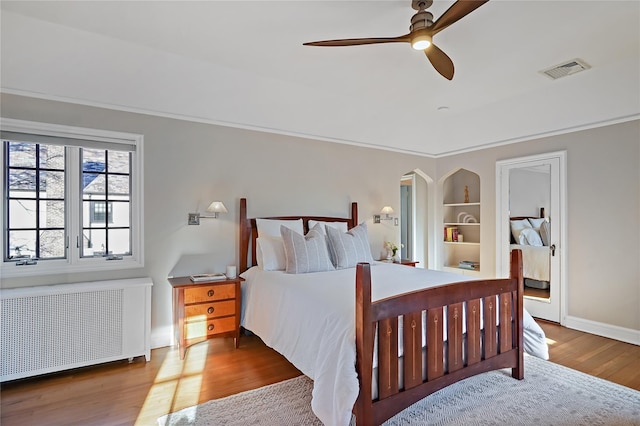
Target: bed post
{"type": "Point", "coordinates": [354, 214]}
{"type": "Point", "coordinates": [364, 344]}
{"type": "Point", "coordinates": [516, 272]}
{"type": "Point", "coordinates": [245, 229]}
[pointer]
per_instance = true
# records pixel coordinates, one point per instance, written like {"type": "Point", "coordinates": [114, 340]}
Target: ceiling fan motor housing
{"type": "Point", "coordinates": [421, 4]}
{"type": "Point", "coordinates": [421, 20]}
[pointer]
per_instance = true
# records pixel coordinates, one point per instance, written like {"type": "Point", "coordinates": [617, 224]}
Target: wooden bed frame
{"type": "Point", "coordinates": [491, 337]}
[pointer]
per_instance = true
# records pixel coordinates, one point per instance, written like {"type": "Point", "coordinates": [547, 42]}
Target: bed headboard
{"type": "Point", "coordinates": [249, 230]}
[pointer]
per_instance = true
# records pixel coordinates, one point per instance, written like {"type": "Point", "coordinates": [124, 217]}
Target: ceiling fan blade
{"type": "Point", "coordinates": [360, 41]}
{"type": "Point", "coordinates": [440, 61]}
{"type": "Point", "coordinates": [457, 11]}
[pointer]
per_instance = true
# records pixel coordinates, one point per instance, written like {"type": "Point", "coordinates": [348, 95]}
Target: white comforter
{"type": "Point", "coordinates": [309, 318]}
{"type": "Point", "coordinates": [535, 261]}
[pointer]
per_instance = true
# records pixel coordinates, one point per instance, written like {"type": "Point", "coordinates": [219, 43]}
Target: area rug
{"type": "Point", "coordinates": [550, 394]}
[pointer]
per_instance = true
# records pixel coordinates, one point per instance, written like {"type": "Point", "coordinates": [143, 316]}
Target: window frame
{"type": "Point", "coordinates": [73, 197]}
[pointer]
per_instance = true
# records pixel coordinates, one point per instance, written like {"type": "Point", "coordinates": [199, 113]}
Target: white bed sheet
{"type": "Point", "coordinates": [309, 318]}
{"type": "Point", "coordinates": [535, 261]}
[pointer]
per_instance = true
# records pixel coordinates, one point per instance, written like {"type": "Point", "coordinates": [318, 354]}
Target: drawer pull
{"type": "Point", "coordinates": [210, 327]}
{"type": "Point", "coordinates": [210, 310]}
{"type": "Point", "coordinates": [210, 293]}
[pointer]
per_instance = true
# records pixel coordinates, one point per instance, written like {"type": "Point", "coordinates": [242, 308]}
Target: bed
{"type": "Point", "coordinates": [377, 337]}
{"type": "Point", "coordinates": [531, 235]}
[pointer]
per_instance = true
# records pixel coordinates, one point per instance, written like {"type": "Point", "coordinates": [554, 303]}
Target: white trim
{"type": "Point", "coordinates": [623, 334]}
{"type": "Point", "coordinates": [246, 126]}
{"type": "Point", "coordinates": [502, 226]}
{"type": "Point", "coordinates": [72, 264]}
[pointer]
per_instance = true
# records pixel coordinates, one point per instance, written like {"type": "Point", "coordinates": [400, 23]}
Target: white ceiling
{"type": "Point", "coordinates": [242, 63]}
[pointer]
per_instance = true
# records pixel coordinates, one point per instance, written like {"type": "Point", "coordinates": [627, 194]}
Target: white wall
{"type": "Point", "coordinates": [187, 165]}
{"type": "Point", "coordinates": [603, 217]}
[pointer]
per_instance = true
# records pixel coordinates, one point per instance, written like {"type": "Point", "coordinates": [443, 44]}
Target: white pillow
{"type": "Point", "coordinates": [306, 253]}
{"type": "Point", "coordinates": [349, 248]}
{"type": "Point", "coordinates": [270, 253]}
{"type": "Point", "coordinates": [545, 233]}
{"type": "Point", "coordinates": [340, 226]}
{"type": "Point", "coordinates": [271, 227]}
{"type": "Point", "coordinates": [517, 226]}
{"type": "Point", "coordinates": [529, 237]}
{"type": "Point", "coordinates": [536, 223]}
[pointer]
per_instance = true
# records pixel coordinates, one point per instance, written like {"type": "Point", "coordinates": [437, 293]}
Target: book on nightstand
{"type": "Point", "coordinates": [207, 277]}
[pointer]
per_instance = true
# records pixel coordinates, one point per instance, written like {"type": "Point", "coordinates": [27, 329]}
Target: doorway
{"type": "Point", "coordinates": [528, 186]}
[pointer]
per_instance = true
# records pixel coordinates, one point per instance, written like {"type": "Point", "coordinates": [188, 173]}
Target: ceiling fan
{"type": "Point", "coordinates": [422, 30]}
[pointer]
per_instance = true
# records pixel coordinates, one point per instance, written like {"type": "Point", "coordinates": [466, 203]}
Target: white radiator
{"type": "Point", "coordinates": [58, 327]}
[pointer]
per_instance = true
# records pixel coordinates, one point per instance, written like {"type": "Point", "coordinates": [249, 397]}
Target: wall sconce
{"type": "Point", "coordinates": [386, 211]}
{"type": "Point", "coordinates": [215, 208]}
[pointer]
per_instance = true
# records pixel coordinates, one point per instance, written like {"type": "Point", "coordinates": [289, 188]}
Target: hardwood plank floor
{"type": "Point", "coordinates": [120, 393]}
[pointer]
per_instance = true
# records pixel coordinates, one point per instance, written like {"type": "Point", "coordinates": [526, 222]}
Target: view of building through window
{"type": "Point", "coordinates": [39, 200]}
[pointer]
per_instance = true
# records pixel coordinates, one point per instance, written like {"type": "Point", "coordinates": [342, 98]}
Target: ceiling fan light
{"type": "Point", "coordinates": [421, 42]}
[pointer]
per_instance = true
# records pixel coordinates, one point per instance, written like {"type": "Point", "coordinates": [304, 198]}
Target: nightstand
{"type": "Point", "coordinates": [408, 262]}
{"type": "Point", "coordinates": [205, 310]}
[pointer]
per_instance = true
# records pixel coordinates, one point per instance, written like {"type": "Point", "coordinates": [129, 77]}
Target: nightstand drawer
{"type": "Point", "coordinates": [208, 293]}
{"type": "Point", "coordinates": [202, 311]}
{"type": "Point", "coordinates": [210, 327]}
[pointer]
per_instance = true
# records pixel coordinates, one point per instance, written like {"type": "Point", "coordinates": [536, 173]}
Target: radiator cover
{"type": "Point", "coordinates": [52, 328]}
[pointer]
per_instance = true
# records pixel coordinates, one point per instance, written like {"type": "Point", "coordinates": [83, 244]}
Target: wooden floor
{"type": "Point", "coordinates": [120, 393]}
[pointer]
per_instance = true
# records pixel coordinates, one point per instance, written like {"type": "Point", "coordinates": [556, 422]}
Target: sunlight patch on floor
{"type": "Point", "coordinates": [177, 384]}
{"type": "Point", "coordinates": [551, 341]}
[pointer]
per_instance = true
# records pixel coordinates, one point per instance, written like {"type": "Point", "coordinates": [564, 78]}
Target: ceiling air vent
{"type": "Point", "coordinates": [568, 68]}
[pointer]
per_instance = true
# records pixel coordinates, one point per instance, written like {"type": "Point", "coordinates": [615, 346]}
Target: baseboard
{"type": "Point", "coordinates": [601, 329]}
{"type": "Point", "coordinates": [161, 337]}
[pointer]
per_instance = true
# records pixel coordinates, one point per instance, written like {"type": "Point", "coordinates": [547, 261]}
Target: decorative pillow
{"type": "Point", "coordinates": [271, 227]}
{"type": "Point", "coordinates": [349, 248]}
{"type": "Point", "coordinates": [517, 226]}
{"type": "Point", "coordinates": [341, 226]}
{"type": "Point", "coordinates": [306, 253]}
{"type": "Point", "coordinates": [536, 223]}
{"type": "Point", "coordinates": [270, 253]}
{"type": "Point", "coordinates": [545, 233]}
{"type": "Point", "coordinates": [529, 237]}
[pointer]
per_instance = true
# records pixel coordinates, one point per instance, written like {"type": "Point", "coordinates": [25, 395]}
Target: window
{"type": "Point", "coordinates": [72, 199]}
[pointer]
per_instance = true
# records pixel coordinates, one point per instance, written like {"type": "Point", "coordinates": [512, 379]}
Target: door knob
{"type": "Point", "coordinates": [553, 249]}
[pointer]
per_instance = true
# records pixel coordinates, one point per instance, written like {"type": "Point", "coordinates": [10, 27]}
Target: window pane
{"type": "Point", "coordinates": [120, 215]}
{"type": "Point", "coordinates": [93, 159]}
{"type": "Point", "coordinates": [52, 184]}
{"type": "Point", "coordinates": [52, 157]}
{"type": "Point", "coordinates": [119, 162]}
{"type": "Point", "coordinates": [119, 241]}
{"type": "Point", "coordinates": [22, 154]}
{"type": "Point", "coordinates": [22, 183]}
{"type": "Point", "coordinates": [52, 244]}
{"type": "Point", "coordinates": [93, 183]}
{"type": "Point", "coordinates": [94, 242]}
{"type": "Point", "coordinates": [22, 214]}
{"type": "Point", "coordinates": [118, 184]}
{"type": "Point", "coordinates": [52, 214]}
{"type": "Point", "coordinates": [22, 244]}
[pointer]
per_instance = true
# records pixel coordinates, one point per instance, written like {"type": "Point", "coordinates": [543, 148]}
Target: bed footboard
{"type": "Point", "coordinates": [471, 328]}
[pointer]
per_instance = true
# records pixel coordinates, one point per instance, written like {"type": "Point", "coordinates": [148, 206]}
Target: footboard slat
{"type": "Point", "coordinates": [506, 310]}
{"type": "Point", "coordinates": [435, 345]}
{"type": "Point", "coordinates": [387, 357]}
{"type": "Point", "coordinates": [454, 337]}
{"type": "Point", "coordinates": [412, 349]}
{"type": "Point", "coordinates": [474, 348]}
{"type": "Point", "coordinates": [490, 329]}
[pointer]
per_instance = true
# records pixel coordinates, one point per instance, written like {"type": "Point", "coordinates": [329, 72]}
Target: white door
{"type": "Point", "coordinates": [550, 308]}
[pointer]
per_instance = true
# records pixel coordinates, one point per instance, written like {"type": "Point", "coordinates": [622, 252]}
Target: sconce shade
{"type": "Point", "coordinates": [386, 210]}
{"type": "Point", "coordinates": [217, 207]}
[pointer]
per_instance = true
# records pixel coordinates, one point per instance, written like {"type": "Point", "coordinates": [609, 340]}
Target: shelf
{"type": "Point", "coordinates": [462, 244]}
{"type": "Point", "coordinates": [460, 204]}
{"type": "Point", "coordinates": [462, 224]}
